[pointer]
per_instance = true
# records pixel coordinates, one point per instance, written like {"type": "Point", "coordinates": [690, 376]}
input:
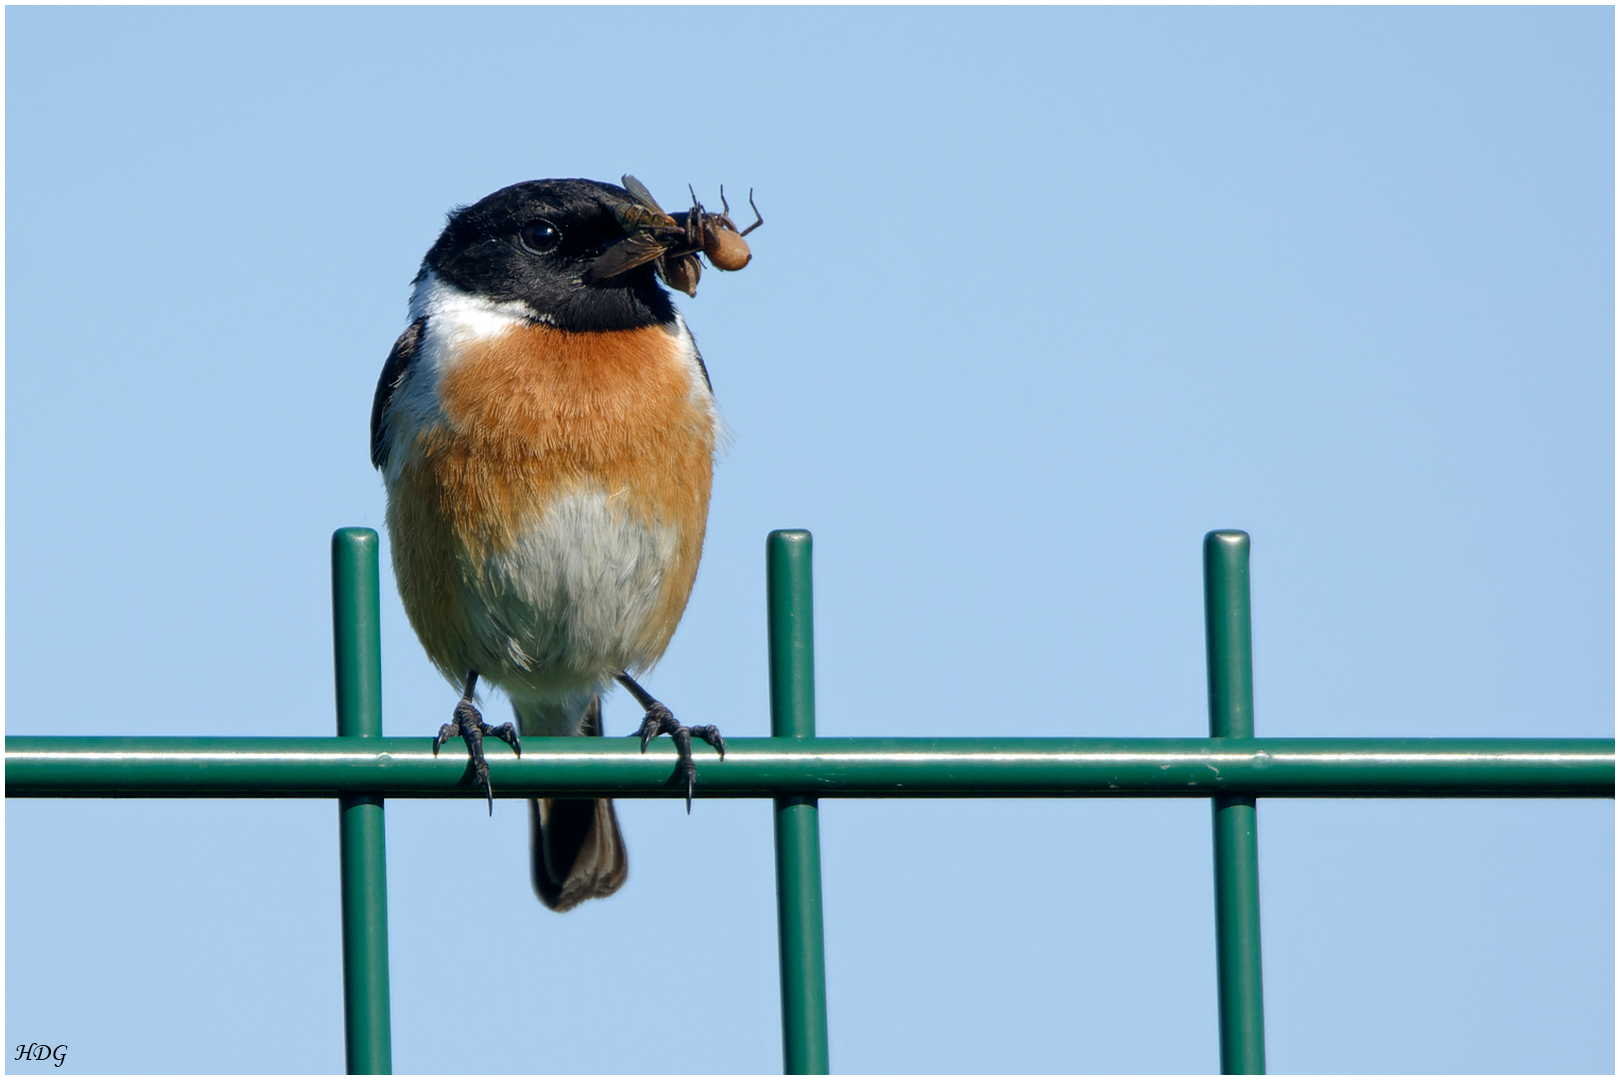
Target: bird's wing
{"type": "Point", "coordinates": [394, 368]}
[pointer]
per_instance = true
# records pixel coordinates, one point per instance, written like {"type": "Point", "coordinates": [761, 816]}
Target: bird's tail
{"type": "Point", "coordinates": [576, 851]}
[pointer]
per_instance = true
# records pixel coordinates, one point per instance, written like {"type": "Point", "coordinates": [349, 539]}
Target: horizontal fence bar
{"type": "Point", "coordinates": [222, 768]}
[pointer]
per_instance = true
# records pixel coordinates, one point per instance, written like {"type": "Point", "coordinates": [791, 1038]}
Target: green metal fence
{"type": "Point", "coordinates": [1232, 768]}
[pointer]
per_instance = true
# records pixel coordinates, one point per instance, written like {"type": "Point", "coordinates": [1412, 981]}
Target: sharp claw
{"type": "Point", "coordinates": [446, 732]}
{"type": "Point", "coordinates": [508, 735]}
{"type": "Point", "coordinates": [468, 722]}
{"type": "Point", "coordinates": [660, 721]}
{"type": "Point", "coordinates": [711, 735]}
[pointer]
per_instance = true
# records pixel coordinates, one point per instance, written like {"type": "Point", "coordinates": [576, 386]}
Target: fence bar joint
{"type": "Point", "coordinates": [362, 848]}
{"type": "Point", "coordinates": [1228, 640]}
{"type": "Point", "coordinates": [798, 828]}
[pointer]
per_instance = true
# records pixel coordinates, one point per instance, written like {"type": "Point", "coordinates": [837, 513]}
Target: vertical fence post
{"type": "Point", "coordinates": [1228, 643]}
{"type": "Point", "coordinates": [357, 655]}
{"type": "Point", "coordinates": [798, 830]}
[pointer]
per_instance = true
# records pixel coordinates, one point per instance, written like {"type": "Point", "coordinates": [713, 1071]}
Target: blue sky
{"type": "Point", "coordinates": [1043, 296]}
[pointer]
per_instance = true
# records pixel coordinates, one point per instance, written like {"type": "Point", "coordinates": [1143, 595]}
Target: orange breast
{"type": "Point", "coordinates": [538, 413]}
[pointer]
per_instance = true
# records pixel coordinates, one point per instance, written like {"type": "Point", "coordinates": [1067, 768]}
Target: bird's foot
{"type": "Point", "coordinates": [660, 721]}
{"type": "Point", "coordinates": [469, 724]}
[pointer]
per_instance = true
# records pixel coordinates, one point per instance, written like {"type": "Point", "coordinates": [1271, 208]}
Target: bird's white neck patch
{"type": "Point", "coordinates": [455, 319]}
{"type": "Point", "coordinates": [465, 314]}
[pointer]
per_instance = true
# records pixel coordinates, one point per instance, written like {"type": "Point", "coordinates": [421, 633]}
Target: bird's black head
{"type": "Point", "coordinates": [532, 242]}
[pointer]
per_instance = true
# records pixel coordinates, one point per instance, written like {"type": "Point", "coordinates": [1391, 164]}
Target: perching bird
{"type": "Point", "coordinates": [546, 432]}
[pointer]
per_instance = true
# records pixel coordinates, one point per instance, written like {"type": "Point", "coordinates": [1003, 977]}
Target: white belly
{"type": "Point", "coordinates": [563, 607]}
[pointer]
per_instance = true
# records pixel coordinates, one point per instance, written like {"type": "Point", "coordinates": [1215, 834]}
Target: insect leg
{"type": "Point", "coordinates": [760, 218]}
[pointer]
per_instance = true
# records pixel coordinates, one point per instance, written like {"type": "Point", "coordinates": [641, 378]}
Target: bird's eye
{"type": "Point", "coordinates": [540, 236]}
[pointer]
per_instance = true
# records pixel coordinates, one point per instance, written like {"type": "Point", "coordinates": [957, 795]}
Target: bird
{"type": "Point", "coordinates": [546, 429]}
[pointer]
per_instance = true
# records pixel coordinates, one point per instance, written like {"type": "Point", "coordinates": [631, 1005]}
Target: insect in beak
{"type": "Point", "coordinates": [672, 242]}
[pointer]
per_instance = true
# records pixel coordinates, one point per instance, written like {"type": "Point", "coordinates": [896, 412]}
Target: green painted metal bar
{"type": "Point", "coordinates": [798, 830]}
{"type": "Point", "coordinates": [360, 769]}
{"type": "Point", "coordinates": [362, 848]}
{"type": "Point", "coordinates": [257, 768]}
{"type": "Point", "coordinates": [1227, 639]}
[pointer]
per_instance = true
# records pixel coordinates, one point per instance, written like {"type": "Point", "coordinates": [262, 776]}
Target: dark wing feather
{"type": "Point", "coordinates": [394, 368]}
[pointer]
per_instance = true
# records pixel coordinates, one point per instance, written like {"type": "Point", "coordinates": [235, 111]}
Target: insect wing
{"type": "Point", "coordinates": [639, 192]}
{"type": "Point", "coordinates": [682, 273]}
{"type": "Point", "coordinates": [627, 254]}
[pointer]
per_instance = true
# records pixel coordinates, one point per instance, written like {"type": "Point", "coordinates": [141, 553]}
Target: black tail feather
{"type": "Point", "coordinates": [576, 851]}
